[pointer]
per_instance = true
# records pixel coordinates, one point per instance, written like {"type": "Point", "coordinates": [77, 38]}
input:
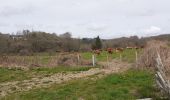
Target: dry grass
{"type": "Point", "coordinates": [149, 55]}
{"type": "Point", "coordinates": [22, 61]}
{"type": "Point", "coordinates": [43, 61]}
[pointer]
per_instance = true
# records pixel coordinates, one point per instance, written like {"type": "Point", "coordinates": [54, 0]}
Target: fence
{"type": "Point", "coordinates": [65, 59]}
{"type": "Point", "coordinates": [161, 78]}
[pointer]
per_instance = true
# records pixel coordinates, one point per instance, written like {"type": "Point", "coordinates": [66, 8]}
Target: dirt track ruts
{"type": "Point", "coordinates": [26, 85]}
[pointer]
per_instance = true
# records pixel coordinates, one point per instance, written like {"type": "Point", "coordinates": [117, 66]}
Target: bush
{"type": "Point", "coordinates": [150, 53]}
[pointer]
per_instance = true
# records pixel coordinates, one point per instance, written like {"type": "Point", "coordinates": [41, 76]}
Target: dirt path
{"type": "Point", "coordinates": [26, 85]}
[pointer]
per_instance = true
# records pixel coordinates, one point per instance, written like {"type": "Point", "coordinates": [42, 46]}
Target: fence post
{"type": "Point", "coordinates": [107, 60]}
{"type": "Point", "coordinates": [161, 77]}
{"type": "Point", "coordinates": [136, 53]}
{"type": "Point", "coordinates": [93, 60]}
{"type": "Point", "coordinates": [120, 57]}
{"type": "Point", "coordinates": [78, 58]}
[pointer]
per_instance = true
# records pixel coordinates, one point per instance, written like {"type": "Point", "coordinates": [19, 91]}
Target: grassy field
{"type": "Point", "coordinates": [18, 74]}
{"type": "Point", "coordinates": [129, 85]}
{"type": "Point", "coordinates": [127, 55]}
{"type": "Point", "coordinates": [13, 74]}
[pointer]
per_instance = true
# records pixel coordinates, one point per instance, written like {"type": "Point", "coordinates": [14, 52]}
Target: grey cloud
{"type": "Point", "coordinates": [9, 11]}
{"type": "Point", "coordinates": [4, 25]}
{"type": "Point", "coordinates": [108, 18]}
{"type": "Point", "coordinates": [96, 27]}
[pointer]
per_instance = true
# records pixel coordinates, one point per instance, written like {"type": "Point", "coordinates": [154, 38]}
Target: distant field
{"type": "Point", "coordinates": [8, 75]}
{"type": "Point", "coordinates": [18, 74]}
{"type": "Point", "coordinates": [127, 55]}
{"type": "Point", "coordinates": [45, 60]}
{"type": "Point", "coordinates": [129, 85]}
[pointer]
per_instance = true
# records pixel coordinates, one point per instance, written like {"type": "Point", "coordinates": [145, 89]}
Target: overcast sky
{"type": "Point", "coordinates": [87, 18]}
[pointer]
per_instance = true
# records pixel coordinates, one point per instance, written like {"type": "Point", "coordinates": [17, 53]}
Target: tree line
{"type": "Point", "coordinates": [27, 42]}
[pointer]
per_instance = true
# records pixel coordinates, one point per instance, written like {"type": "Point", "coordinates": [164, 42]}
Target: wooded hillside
{"type": "Point", "coordinates": [26, 42]}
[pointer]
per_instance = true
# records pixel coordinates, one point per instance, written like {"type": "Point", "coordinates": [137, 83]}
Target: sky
{"type": "Point", "coordinates": [87, 18]}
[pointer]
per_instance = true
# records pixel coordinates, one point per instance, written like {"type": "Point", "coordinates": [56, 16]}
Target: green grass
{"type": "Point", "coordinates": [7, 75]}
{"type": "Point", "coordinates": [129, 85]}
{"type": "Point", "coordinates": [127, 55]}
{"type": "Point", "coordinates": [13, 74]}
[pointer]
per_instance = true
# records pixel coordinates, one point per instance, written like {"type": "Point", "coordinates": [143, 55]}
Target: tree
{"type": "Point", "coordinates": [66, 35]}
{"type": "Point", "coordinates": [97, 44]}
{"type": "Point", "coordinates": [68, 43]}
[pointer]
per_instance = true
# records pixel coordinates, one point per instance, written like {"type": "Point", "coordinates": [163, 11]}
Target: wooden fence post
{"type": "Point", "coordinates": [120, 57]}
{"type": "Point", "coordinates": [161, 78]}
{"type": "Point", "coordinates": [78, 58]}
{"type": "Point", "coordinates": [107, 60]}
{"type": "Point", "coordinates": [136, 53]}
{"type": "Point", "coordinates": [94, 60]}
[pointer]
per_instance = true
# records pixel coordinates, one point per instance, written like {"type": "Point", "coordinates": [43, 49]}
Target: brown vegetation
{"type": "Point", "coordinates": [150, 53]}
{"type": "Point", "coordinates": [67, 60]}
{"type": "Point", "coordinates": [62, 59]}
